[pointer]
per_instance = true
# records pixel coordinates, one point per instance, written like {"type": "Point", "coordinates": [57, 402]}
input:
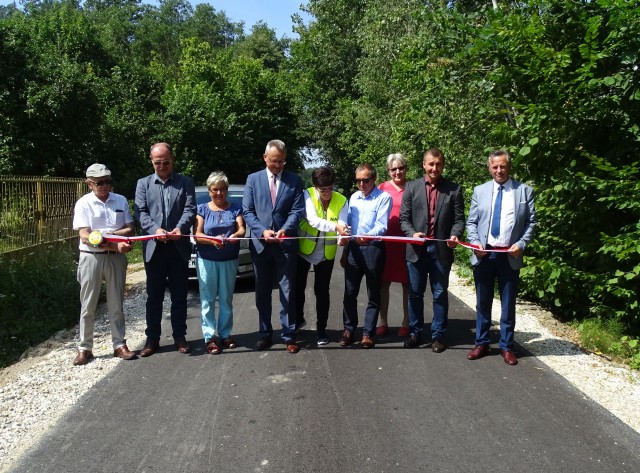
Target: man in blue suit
{"type": "Point", "coordinates": [272, 206]}
{"type": "Point", "coordinates": [165, 205]}
{"type": "Point", "coordinates": [502, 217]}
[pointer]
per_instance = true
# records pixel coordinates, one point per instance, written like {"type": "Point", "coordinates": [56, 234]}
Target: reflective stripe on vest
{"type": "Point", "coordinates": [308, 242]}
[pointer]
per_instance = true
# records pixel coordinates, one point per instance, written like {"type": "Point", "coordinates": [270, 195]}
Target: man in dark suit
{"type": "Point", "coordinates": [432, 207]}
{"type": "Point", "coordinates": [272, 206]}
{"type": "Point", "coordinates": [502, 217]}
{"type": "Point", "coordinates": [165, 204]}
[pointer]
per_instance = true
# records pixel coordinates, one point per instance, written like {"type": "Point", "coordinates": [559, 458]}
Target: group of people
{"type": "Point", "coordinates": [317, 220]}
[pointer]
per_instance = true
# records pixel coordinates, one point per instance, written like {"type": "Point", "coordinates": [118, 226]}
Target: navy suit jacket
{"type": "Point", "coordinates": [260, 214]}
{"type": "Point", "coordinates": [182, 211]}
{"type": "Point", "coordinates": [449, 218]}
{"type": "Point", "coordinates": [523, 226]}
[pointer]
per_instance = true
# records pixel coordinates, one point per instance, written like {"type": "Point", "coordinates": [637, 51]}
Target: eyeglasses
{"type": "Point", "coordinates": [221, 191]}
{"type": "Point", "coordinates": [166, 162]}
{"type": "Point", "coordinates": [363, 181]}
{"type": "Point", "coordinates": [325, 189]}
{"type": "Point", "coordinates": [105, 182]}
{"type": "Point", "coordinates": [399, 168]}
{"type": "Point", "coordinates": [276, 161]}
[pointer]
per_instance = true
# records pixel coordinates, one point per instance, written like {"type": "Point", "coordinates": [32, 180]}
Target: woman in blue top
{"type": "Point", "coordinates": [217, 262]}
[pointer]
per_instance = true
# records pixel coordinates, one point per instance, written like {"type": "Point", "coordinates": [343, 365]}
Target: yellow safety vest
{"type": "Point", "coordinates": [308, 242]}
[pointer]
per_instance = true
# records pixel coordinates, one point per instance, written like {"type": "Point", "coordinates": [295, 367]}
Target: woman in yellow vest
{"type": "Point", "coordinates": [325, 218]}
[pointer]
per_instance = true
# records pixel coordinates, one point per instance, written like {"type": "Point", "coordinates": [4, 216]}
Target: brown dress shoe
{"type": "Point", "coordinates": [124, 353]}
{"type": "Point", "coordinates": [182, 346]}
{"type": "Point", "coordinates": [438, 346]}
{"type": "Point", "coordinates": [150, 348]}
{"type": "Point", "coordinates": [412, 342]}
{"type": "Point", "coordinates": [346, 339]}
{"type": "Point", "coordinates": [83, 357]}
{"type": "Point", "coordinates": [509, 357]}
{"type": "Point", "coordinates": [292, 347]}
{"type": "Point", "coordinates": [367, 342]}
{"type": "Point", "coordinates": [263, 344]}
{"type": "Point", "coordinates": [478, 352]}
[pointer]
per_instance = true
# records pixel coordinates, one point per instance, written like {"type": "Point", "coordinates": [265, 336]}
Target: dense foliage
{"type": "Point", "coordinates": [99, 81]}
{"type": "Point", "coordinates": [555, 82]}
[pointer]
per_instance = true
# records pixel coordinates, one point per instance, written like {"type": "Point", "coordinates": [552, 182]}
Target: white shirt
{"type": "Point", "coordinates": [507, 214]}
{"type": "Point", "coordinates": [91, 212]}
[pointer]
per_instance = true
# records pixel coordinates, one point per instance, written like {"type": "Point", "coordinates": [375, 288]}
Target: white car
{"type": "Point", "coordinates": [245, 266]}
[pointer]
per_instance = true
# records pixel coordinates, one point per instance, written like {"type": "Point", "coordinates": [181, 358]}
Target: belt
{"type": "Point", "coordinates": [99, 252]}
{"type": "Point", "coordinates": [489, 247]}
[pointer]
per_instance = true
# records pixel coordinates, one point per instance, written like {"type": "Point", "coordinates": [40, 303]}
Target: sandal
{"type": "Point", "coordinates": [229, 343]}
{"type": "Point", "coordinates": [213, 348]}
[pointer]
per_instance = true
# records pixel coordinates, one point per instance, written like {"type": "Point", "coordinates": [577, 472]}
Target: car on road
{"type": "Point", "coordinates": [245, 266]}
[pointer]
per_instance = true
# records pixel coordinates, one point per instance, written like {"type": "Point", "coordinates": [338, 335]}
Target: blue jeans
{"type": "Point", "coordinates": [491, 267]}
{"type": "Point", "coordinates": [438, 274]}
{"type": "Point", "coordinates": [216, 279]}
{"type": "Point", "coordinates": [166, 264]}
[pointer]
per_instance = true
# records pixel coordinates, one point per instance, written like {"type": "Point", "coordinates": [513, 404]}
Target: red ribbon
{"type": "Point", "coordinates": [392, 239]}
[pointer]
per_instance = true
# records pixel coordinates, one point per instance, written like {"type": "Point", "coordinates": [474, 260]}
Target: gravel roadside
{"type": "Point", "coordinates": [39, 389]}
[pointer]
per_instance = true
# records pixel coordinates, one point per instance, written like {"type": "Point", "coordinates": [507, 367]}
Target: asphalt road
{"type": "Point", "coordinates": [333, 409]}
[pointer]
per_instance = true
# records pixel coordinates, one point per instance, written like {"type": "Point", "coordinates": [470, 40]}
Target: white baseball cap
{"type": "Point", "coordinates": [98, 170]}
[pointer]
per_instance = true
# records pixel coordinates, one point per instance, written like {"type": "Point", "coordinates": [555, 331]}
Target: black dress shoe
{"type": "Point", "coordinates": [263, 344]}
{"type": "Point", "coordinates": [413, 341]}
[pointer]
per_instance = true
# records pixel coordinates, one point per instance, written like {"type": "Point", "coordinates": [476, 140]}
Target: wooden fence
{"type": "Point", "coordinates": [37, 210]}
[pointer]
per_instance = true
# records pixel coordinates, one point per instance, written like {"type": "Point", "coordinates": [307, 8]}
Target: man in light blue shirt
{"type": "Point", "coordinates": [369, 210]}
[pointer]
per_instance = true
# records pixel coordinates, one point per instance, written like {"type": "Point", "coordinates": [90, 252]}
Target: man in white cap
{"type": "Point", "coordinates": [108, 213]}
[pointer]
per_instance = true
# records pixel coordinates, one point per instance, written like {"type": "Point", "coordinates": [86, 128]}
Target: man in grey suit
{"type": "Point", "coordinates": [502, 217]}
{"type": "Point", "coordinates": [272, 206]}
{"type": "Point", "coordinates": [432, 207]}
{"type": "Point", "coordinates": [165, 204]}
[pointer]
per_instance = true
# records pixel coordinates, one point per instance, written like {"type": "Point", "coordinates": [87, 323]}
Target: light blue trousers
{"type": "Point", "coordinates": [217, 279]}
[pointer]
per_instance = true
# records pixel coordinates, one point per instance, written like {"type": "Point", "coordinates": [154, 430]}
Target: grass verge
{"type": "Point", "coordinates": [38, 297]}
{"type": "Point", "coordinates": [607, 337]}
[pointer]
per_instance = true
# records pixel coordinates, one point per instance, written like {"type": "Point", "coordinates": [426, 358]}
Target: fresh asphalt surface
{"type": "Point", "coordinates": [333, 409]}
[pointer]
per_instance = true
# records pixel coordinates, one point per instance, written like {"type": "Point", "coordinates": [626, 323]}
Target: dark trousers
{"type": "Point", "coordinates": [323, 271]}
{"type": "Point", "coordinates": [492, 267]}
{"type": "Point", "coordinates": [166, 264]}
{"type": "Point", "coordinates": [363, 261]}
{"type": "Point", "coordinates": [270, 266]}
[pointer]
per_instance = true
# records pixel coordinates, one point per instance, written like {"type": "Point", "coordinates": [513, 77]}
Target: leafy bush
{"type": "Point", "coordinates": [38, 297]}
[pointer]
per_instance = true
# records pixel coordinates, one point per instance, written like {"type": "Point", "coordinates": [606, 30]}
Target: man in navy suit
{"type": "Point", "coordinates": [165, 204]}
{"type": "Point", "coordinates": [272, 206]}
{"type": "Point", "coordinates": [502, 217]}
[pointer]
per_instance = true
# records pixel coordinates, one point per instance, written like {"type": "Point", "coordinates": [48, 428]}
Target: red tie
{"type": "Point", "coordinates": [273, 189]}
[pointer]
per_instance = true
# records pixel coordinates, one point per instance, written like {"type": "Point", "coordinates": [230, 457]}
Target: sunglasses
{"type": "Point", "coordinates": [166, 162]}
{"type": "Point", "coordinates": [105, 182]}
{"type": "Point", "coordinates": [363, 181]}
{"type": "Point", "coordinates": [399, 168]}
